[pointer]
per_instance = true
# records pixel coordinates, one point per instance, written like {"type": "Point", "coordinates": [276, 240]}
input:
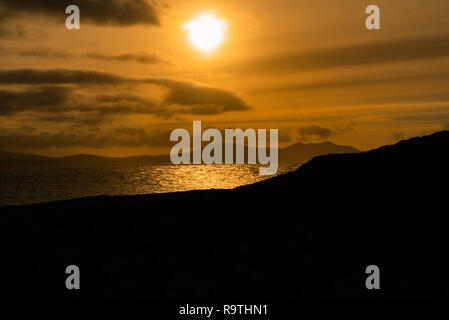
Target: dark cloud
{"type": "Point", "coordinates": [116, 104]}
{"type": "Point", "coordinates": [28, 129]}
{"type": "Point", "coordinates": [61, 104]}
{"type": "Point", "coordinates": [430, 115]}
{"type": "Point", "coordinates": [75, 119]}
{"type": "Point", "coordinates": [58, 76]}
{"type": "Point", "coordinates": [41, 99]}
{"type": "Point", "coordinates": [139, 137]}
{"type": "Point", "coordinates": [100, 12]}
{"type": "Point", "coordinates": [199, 99]}
{"type": "Point", "coordinates": [364, 54]}
{"type": "Point", "coordinates": [365, 80]}
{"type": "Point", "coordinates": [321, 133]}
{"type": "Point", "coordinates": [316, 131]}
{"type": "Point", "coordinates": [285, 135]}
{"type": "Point", "coordinates": [327, 84]}
{"type": "Point", "coordinates": [49, 53]}
{"type": "Point", "coordinates": [12, 32]}
{"type": "Point", "coordinates": [5, 15]}
{"type": "Point", "coordinates": [143, 58]}
{"type": "Point", "coordinates": [44, 96]}
{"type": "Point", "coordinates": [42, 52]}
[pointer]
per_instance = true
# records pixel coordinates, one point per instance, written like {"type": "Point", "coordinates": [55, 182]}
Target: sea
{"type": "Point", "coordinates": [23, 184]}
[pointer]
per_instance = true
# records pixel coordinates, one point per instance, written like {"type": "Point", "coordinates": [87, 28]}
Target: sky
{"type": "Point", "coordinates": [130, 75]}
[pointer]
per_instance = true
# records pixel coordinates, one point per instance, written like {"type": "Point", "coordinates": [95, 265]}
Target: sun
{"type": "Point", "coordinates": [206, 32]}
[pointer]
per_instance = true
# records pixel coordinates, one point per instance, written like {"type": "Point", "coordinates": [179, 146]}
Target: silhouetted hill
{"type": "Point", "coordinates": [296, 153]}
{"type": "Point", "coordinates": [9, 158]}
{"type": "Point", "coordinates": [304, 235]}
{"type": "Point", "coordinates": [303, 152]}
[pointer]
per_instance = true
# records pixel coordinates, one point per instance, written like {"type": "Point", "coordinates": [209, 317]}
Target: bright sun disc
{"type": "Point", "coordinates": [206, 32]}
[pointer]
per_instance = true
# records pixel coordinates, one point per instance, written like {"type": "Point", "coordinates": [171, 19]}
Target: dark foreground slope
{"type": "Point", "coordinates": [308, 234]}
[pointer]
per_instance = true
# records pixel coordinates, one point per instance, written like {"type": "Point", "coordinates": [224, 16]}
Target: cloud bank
{"type": "Point", "coordinates": [48, 92]}
{"type": "Point", "coordinates": [435, 46]}
{"type": "Point", "coordinates": [100, 12]}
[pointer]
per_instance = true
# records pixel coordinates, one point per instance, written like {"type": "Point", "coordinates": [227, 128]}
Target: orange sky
{"type": "Point", "coordinates": [308, 68]}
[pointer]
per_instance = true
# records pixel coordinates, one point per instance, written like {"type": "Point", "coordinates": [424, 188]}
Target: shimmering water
{"type": "Point", "coordinates": [27, 184]}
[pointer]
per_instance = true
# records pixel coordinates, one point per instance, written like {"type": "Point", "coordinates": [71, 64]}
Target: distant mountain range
{"type": "Point", "coordinates": [296, 153]}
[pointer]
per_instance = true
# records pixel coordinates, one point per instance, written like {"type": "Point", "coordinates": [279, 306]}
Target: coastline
{"type": "Point", "coordinates": [305, 234]}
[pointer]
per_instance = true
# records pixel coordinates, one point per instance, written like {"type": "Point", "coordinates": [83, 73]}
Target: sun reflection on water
{"type": "Point", "coordinates": [24, 184]}
{"type": "Point", "coordinates": [195, 177]}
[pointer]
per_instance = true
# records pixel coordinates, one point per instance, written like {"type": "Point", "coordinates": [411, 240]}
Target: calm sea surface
{"type": "Point", "coordinates": [27, 184]}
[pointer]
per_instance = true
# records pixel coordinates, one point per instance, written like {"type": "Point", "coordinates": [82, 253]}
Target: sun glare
{"type": "Point", "coordinates": [206, 32]}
